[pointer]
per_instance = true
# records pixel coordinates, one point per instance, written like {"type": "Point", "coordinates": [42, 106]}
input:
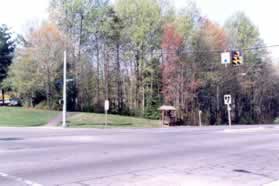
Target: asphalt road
{"type": "Point", "coordinates": [139, 157]}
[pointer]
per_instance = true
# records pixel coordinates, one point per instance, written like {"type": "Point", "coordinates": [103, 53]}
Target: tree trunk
{"type": "Point", "coordinates": [78, 70]}
{"type": "Point", "coordinates": [106, 65]}
{"type": "Point", "coordinates": [218, 117]}
{"type": "Point", "coordinates": [142, 78]}
{"type": "Point", "coordinates": [3, 96]}
{"type": "Point", "coordinates": [119, 81]}
{"type": "Point", "coordinates": [48, 88]}
{"type": "Point", "coordinates": [98, 70]}
{"type": "Point", "coordinates": [237, 120]}
{"type": "Point", "coordinates": [137, 79]}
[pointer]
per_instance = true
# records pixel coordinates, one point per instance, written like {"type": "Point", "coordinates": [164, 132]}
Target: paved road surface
{"type": "Point", "coordinates": [141, 157]}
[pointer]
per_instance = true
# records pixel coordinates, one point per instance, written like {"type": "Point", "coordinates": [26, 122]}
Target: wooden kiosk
{"type": "Point", "coordinates": [168, 115]}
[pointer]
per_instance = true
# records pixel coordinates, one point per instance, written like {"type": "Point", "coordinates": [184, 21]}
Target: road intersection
{"type": "Point", "coordinates": [244, 155]}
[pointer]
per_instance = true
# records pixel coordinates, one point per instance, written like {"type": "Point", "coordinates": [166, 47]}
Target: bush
{"type": "Point", "coordinates": [152, 113]}
{"type": "Point", "coordinates": [276, 121]}
{"type": "Point", "coordinates": [43, 106]}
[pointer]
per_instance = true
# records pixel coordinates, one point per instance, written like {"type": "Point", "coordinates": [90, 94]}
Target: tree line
{"type": "Point", "coordinates": [142, 54]}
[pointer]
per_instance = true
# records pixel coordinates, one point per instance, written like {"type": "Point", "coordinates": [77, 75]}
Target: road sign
{"type": "Point", "coordinates": [226, 58]}
{"type": "Point", "coordinates": [227, 99]}
{"type": "Point", "coordinates": [106, 105]}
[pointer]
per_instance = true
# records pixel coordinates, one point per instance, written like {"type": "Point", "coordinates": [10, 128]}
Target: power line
{"type": "Point", "coordinates": [187, 51]}
{"type": "Point", "coordinates": [220, 51]}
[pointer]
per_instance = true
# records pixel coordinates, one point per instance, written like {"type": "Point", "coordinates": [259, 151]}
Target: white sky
{"type": "Point", "coordinates": [19, 13]}
{"type": "Point", "coordinates": [264, 13]}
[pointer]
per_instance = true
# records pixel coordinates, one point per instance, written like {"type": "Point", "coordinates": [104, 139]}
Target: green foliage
{"type": "Point", "coordinates": [7, 47]}
{"type": "Point", "coordinates": [38, 65]}
{"type": "Point", "coordinates": [276, 121]}
{"type": "Point", "coordinates": [244, 34]}
{"type": "Point", "coordinates": [152, 112]}
{"type": "Point", "coordinates": [140, 18]}
{"type": "Point", "coordinates": [23, 75]}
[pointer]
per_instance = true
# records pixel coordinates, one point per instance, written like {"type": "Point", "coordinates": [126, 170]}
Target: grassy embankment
{"type": "Point", "coordinates": [23, 117]}
{"type": "Point", "coordinates": [90, 120]}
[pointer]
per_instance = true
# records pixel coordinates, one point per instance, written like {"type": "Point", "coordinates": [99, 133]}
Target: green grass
{"type": "Point", "coordinates": [90, 120]}
{"type": "Point", "coordinates": [23, 117]}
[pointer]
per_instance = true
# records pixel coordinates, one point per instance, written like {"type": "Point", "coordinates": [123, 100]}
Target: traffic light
{"type": "Point", "coordinates": [237, 58]}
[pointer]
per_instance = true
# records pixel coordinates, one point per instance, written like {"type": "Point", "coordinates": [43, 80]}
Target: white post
{"type": "Point", "coordinates": [200, 119]}
{"type": "Point", "coordinates": [229, 116]}
{"type": "Point", "coordinates": [64, 124]}
{"type": "Point", "coordinates": [106, 113]}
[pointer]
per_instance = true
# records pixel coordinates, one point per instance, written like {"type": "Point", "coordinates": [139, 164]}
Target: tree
{"type": "Point", "coordinates": [81, 21]}
{"type": "Point", "coordinates": [38, 65]}
{"type": "Point", "coordinates": [244, 34]}
{"type": "Point", "coordinates": [24, 77]}
{"type": "Point", "coordinates": [209, 37]}
{"type": "Point", "coordinates": [141, 18]}
{"type": "Point", "coordinates": [7, 47]}
{"type": "Point", "coordinates": [141, 54]}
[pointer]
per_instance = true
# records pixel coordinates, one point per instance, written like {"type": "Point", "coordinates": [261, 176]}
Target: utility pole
{"type": "Point", "coordinates": [64, 124]}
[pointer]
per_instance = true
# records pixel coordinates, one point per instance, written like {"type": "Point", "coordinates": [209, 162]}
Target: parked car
{"type": "Point", "coordinates": [14, 102]}
{"type": "Point", "coordinates": [6, 102]}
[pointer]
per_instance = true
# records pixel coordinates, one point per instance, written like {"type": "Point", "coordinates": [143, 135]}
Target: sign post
{"type": "Point", "coordinates": [200, 118]}
{"type": "Point", "coordinates": [228, 102]}
{"type": "Point", "coordinates": [106, 111]}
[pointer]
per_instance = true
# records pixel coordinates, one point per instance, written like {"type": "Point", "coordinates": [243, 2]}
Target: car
{"type": "Point", "coordinates": [14, 102]}
{"type": "Point", "coordinates": [6, 102]}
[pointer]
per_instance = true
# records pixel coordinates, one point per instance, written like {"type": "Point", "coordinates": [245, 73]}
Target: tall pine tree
{"type": "Point", "coordinates": [7, 48]}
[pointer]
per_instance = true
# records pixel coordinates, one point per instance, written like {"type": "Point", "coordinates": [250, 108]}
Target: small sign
{"type": "Point", "coordinates": [227, 99]}
{"type": "Point", "coordinates": [226, 58]}
{"type": "Point", "coordinates": [106, 105]}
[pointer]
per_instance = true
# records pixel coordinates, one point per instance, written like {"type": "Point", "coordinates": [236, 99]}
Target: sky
{"type": "Point", "coordinates": [263, 13]}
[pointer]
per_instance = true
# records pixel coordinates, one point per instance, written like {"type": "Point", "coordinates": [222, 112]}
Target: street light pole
{"type": "Point", "coordinates": [64, 124]}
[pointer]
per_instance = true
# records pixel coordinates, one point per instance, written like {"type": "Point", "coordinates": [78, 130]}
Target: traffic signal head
{"type": "Point", "coordinates": [237, 58]}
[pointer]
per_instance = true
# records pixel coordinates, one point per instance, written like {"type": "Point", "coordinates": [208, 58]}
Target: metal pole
{"type": "Point", "coordinates": [64, 124]}
{"type": "Point", "coordinates": [200, 119]}
{"type": "Point", "coordinates": [229, 116]}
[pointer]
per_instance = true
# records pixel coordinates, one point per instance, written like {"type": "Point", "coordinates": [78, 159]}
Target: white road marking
{"type": "Point", "coordinates": [3, 174]}
{"type": "Point", "coordinates": [276, 183]}
{"type": "Point", "coordinates": [244, 130]}
{"type": "Point", "coordinates": [18, 179]}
